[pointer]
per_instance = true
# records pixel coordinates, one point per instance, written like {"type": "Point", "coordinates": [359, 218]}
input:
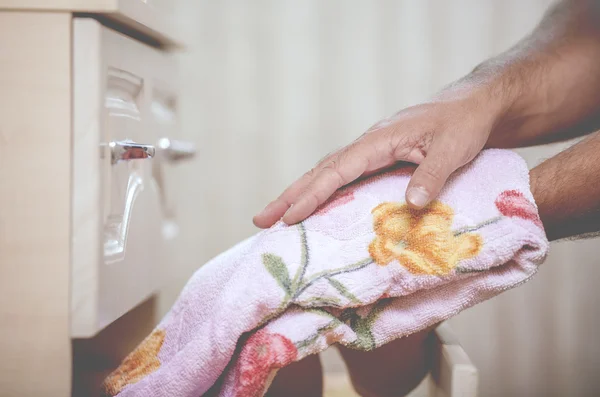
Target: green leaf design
{"type": "Point", "coordinates": [278, 270]}
{"type": "Point", "coordinates": [461, 270]}
{"type": "Point", "coordinates": [330, 273]}
{"type": "Point", "coordinates": [363, 326]}
{"type": "Point", "coordinates": [365, 340]}
{"type": "Point", "coordinates": [341, 288]}
{"type": "Point", "coordinates": [473, 228]}
{"type": "Point", "coordinates": [303, 258]}
{"type": "Point", "coordinates": [311, 339]}
{"type": "Point", "coordinates": [317, 301]}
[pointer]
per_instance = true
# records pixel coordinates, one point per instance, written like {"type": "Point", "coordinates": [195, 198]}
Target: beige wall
{"type": "Point", "coordinates": [272, 86]}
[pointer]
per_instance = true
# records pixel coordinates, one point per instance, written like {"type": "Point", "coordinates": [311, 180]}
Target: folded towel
{"type": "Point", "coordinates": [362, 271]}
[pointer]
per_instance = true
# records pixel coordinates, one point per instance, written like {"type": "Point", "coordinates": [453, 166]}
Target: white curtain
{"type": "Point", "coordinates": [270, 86]}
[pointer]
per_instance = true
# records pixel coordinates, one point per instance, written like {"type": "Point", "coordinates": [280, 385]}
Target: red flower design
{"type": "Point", "coordinates": [513, 203]}
{"type": "Point", "coordinates": [262, 353]}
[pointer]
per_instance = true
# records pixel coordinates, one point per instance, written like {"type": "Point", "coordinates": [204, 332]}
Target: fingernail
{"type": "Point", "coordinates": [417, 196]}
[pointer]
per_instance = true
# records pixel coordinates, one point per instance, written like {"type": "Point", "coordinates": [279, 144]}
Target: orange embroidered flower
{"type": "Point", "coordinates": [421, 241]}
{"type": "Point", "coordinates": [141, 362]}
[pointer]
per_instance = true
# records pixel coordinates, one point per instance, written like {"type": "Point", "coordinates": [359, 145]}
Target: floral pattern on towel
{"type": "Point", "coordinates": [513, 203]}
{"type": "Point", "coordinates": [262, 353]}
{"type": "Point", "coordinates": [295, 286]}
{"type": "Point", "coordinates": [139, 363]}
{"type": "Point", "coordinates": [422, 241]}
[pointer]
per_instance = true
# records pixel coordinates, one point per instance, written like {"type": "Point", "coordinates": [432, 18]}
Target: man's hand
{"type": "Point", "coordinates": [440, 136]}
{"type": "Point", "coordinates": [542, 90]}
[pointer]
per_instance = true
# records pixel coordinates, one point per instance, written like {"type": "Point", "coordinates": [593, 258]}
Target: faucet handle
{"type": "Point", "coordinates": [129, 150]}
{"type": "Point", "coordinates": [174, 151]}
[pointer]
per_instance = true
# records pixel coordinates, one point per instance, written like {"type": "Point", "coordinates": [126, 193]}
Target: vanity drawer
{"type": "Point", "coordinates": [155, 18]}
{"type": "Point", "coordinates": [124, 113]}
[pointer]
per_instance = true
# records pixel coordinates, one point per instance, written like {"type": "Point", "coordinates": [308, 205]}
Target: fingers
{"type": "Point", "coordinates": [304, 196]}
{"type": "Point", "coordinates": [360, 158]}
{"type": "Point", "coordinates": [427, 181]}
{"type": "Point", "coordinates": [314, 188]}
{"type": "Point", "coordinates": [275, 210]}
{"type": "Point", "coordinates": [372, 152]}
{"type": "Point", "coordinates": [327, 181]}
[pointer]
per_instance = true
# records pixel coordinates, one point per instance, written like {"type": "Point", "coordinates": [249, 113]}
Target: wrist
{"type": "Point", "coordinates": [487, 93]}
{"type": "Point", "coordinates": [504, 97]}
{"type": "Point", "coordinates": [487, 97]}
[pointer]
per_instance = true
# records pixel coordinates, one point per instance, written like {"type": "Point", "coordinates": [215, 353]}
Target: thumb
{"type": "Point", "coordinates": [430, 176]}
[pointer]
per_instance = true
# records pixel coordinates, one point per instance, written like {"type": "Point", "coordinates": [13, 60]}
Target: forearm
{"type": "Point", "coordinates": [547, 87]}
{"type": "Point", "coordinates": [567, 190]}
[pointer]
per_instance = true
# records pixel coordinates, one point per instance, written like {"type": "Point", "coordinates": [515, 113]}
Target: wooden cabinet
{"type": "Point", "coordinates": [87, 120]}
{"type": "Point", "coordinates": [155, 19]}
{"type": "Point", "coordinates": [122, 90]}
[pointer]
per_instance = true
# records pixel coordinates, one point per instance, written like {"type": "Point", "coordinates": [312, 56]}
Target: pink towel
{"type": "Point", "coordinates": [362, 271]}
